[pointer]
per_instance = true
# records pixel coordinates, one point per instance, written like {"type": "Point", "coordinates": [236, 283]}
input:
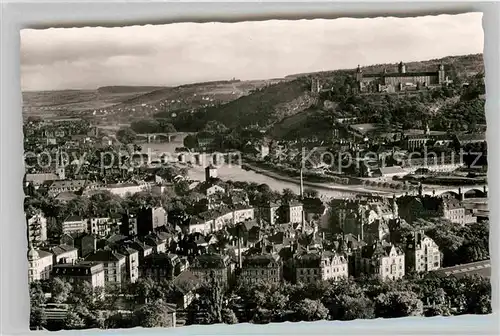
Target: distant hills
{"type": "Point", "coordinates": [127, 89]}
{"type": "Point", "coordinates": [274, 103]}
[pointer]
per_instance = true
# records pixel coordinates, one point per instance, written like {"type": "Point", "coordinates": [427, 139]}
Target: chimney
{"type": "Point", "coordinates": [301, 185]}
{"type": "Point", "coordinates": [240, 263]}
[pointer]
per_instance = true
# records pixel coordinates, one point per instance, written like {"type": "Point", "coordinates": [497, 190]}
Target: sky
{"type": "Point", "coordinates": [181, 53]}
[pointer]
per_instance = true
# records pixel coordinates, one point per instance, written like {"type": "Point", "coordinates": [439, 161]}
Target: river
{"type": "Point", "coordinates": [236, 173]}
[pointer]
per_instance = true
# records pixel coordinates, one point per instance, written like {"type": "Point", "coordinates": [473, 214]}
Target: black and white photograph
{"type": "Point", "coordinates": [255, 172]}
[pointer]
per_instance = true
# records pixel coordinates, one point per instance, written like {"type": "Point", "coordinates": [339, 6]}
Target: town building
{"type": "Point", "coordinates": [40, 264]}
{"type": "Point", "coordinates": [150, 219]}
{"type": "Point", "coordinates": [129, 225]}
{"type": "Point", "coordinates": [122, 189]}
{"type": "Point", "coordinates": [100, 226]}
{"type": "Point", "coordinates": [131, 263]}
{"type": "Point", "coordinates": [37, 228]}
{"type": "Point", "coordinates": [264, 267]}
{"type": "Point", "coordinates": [217, 265]}
{"type": "Point", "coordinates": [421, 253]}
{"type": "Point", "coordinates": [39, 179]}
{"type": "Point", "coordinates": [292, 212]}
{"type": "Point", "coordinates": [453, 210]}
{"type": "Point", "coordinates": [158, 245]}
{"type": "Point", "coordinates": [164, 266]}
{"type": "Point", "coordinates": [84, 271]}
{"type": "Point", "coordinates": [352, 216]}
{"type": "Point", "coordinates": [56, 187]}
{"type": "Point", "coordinates": [210, 172]}
{"type": "Point", "coordinates": [316, 266]}
{"type": "Point", "coordinates": [381, 259]}
{"type": "Point", "coordinates": [400, 81]}
{"type": "Point", "coordinates": [63, 254]}
{"type": "Point", "coordinates": [74, 224]}
{"type": "Point", "coordinates": [269, 212]}
{"type": "Point", "coordinates": [114, 265]}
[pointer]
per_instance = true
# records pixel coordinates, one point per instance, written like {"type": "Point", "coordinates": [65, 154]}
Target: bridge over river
{"type": "Point", "coordinates": [460, 192]}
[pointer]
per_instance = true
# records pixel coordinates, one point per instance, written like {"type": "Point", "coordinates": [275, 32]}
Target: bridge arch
{"type": "Point", "coordinates": [474, 193]}
{"type": "Point", "coordinates": [449, 193]}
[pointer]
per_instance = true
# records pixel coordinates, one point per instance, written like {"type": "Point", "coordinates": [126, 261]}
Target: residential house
{"type": "Point", "coordinates": [64, 254]}
{"type": "Point", "coordinates": [40, 265]}
{"type": "Point", "coordinates": [453, 210]}
{"type": "Point", "coordinates": [243, 213]}
{"type": "Point", "coordinates": [158, 245]}
{"type": "Point", "coordinates": [220, 266]}
{"type": "Point", "coordinates": [163, 266]}
{"type": "Point", "coordinates": [100, 226]}
{"type": "Point", "coordinates": [185, 285]}
{"type": "Point", "coordinates": [56, 187]}
{"type": "Point", "coordinates": [122, 189]}
{"type": "Point", "coordinates": [143, 249]}
{"type": "Point", "coordinates": [213, 189]}
{"type": "Point", "coordinates": [114, 265]}
{"type": "Point", "coordinates": [40, 179]}
{"type": "Point", "coordinates": [84, 271]}
{"type": "Point", "coordinates": [129, 225]}
{"type": "Point", "coordinates": [318, 266]}
{"type": "Point", "coordinates": [266, 268]}
{"type": "Point", "coordinates": [269, 212]}
{"type": "Point", "coordinates": [421, 253]}
{"type": "Point", "coordinates": [131, 264]}
{"type": "Point", "coordinates": [74, 224]}
{"type": "Point", "coordinates": [381, 259]}
{"type": "Point", "coordinates": [150, 219]}
{"type": "Point", "coordinates": [37, 228]}
{"type": "Point", "coordinates": [292, 212]}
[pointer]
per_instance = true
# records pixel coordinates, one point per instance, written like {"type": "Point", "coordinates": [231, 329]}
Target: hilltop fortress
{"type": "Point", "coordinates": [401, 80]}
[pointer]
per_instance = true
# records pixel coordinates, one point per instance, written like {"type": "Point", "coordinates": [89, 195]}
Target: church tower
{"type": "Point", "coordinates": [359, 74]}
{"type": "Point", "coordinates": [402, 67]}
{"type": "Point", "coordinates": [210, 172]}
{"type": "Point", "coordinates": [441, 74]}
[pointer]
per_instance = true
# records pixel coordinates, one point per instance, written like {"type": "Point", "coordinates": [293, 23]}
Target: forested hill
{"type": "Point", "coordinates": [463, 66]}
{"type": "Point", "coordinates": [290, 104]}
{"type": "Point", "coordinates": [263, 107]}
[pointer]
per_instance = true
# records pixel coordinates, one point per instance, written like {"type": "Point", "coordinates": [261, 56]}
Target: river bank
{"type": "Point", "coordinates": [328, 186]}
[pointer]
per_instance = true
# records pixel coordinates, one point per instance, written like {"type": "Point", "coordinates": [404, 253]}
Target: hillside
{"type": "Point", "coordinates": [76, 101]}
{"type": "Point", "coordinates": [463, 66]}
{"type": "Point", "coordinates": [434, 107]}
{"type": "Point", "coordinates": [192, 96]}
{"type": "Point", "coordinates": [127, 89]}
{"type": "Point", "coordinates": [265, 106]}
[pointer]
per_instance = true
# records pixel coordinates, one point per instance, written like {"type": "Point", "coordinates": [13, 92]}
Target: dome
{"type": "Point", "coordinates": [33, 254]}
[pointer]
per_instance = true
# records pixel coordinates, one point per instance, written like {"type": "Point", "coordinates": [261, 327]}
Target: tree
{"type": "Point", "coordinates": [310, 192]}
{"type": "Point", "coordinates": [146, 289]}
{"type": "Point", "coordinates": [190, 141]}
{"type": "Point", "coordinates": [288, 195]}
{"type": "Point", "coordinates": [37, 299]}
{"type": "Point", "coordinates": [104, 204]}
{"type": "Point", "coordinates": [352, 308]}
{"type": "Point", "coordinates": [215, 127]}
{"type": "Point", "coordinates": [119, 321]}
{"type": "Point", "coordinates": [146, 126]}
{"type": "Point", "coordinates": [73, 321]}
{"type": "Point", "coordinates": [228, 316]}
{"type": "Point", "coordinates": [37, 317]}
{"type": "Point", "coordinates": [477, 291]}
{"type": "Point", "coordinates": [398, 304]}
{"type": "Point", "coordinates": [126, 135]}
{"type": "Point", "coordinates": [60, 290]}
{"type": "Point", "coordinates": [310, 310]}
{"type": "Point", "coordinates": [207, 309]}
{"type": "Point", "coordinates": [154, 314]}
{"type": "Point", "coordinates": [166, 127]}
